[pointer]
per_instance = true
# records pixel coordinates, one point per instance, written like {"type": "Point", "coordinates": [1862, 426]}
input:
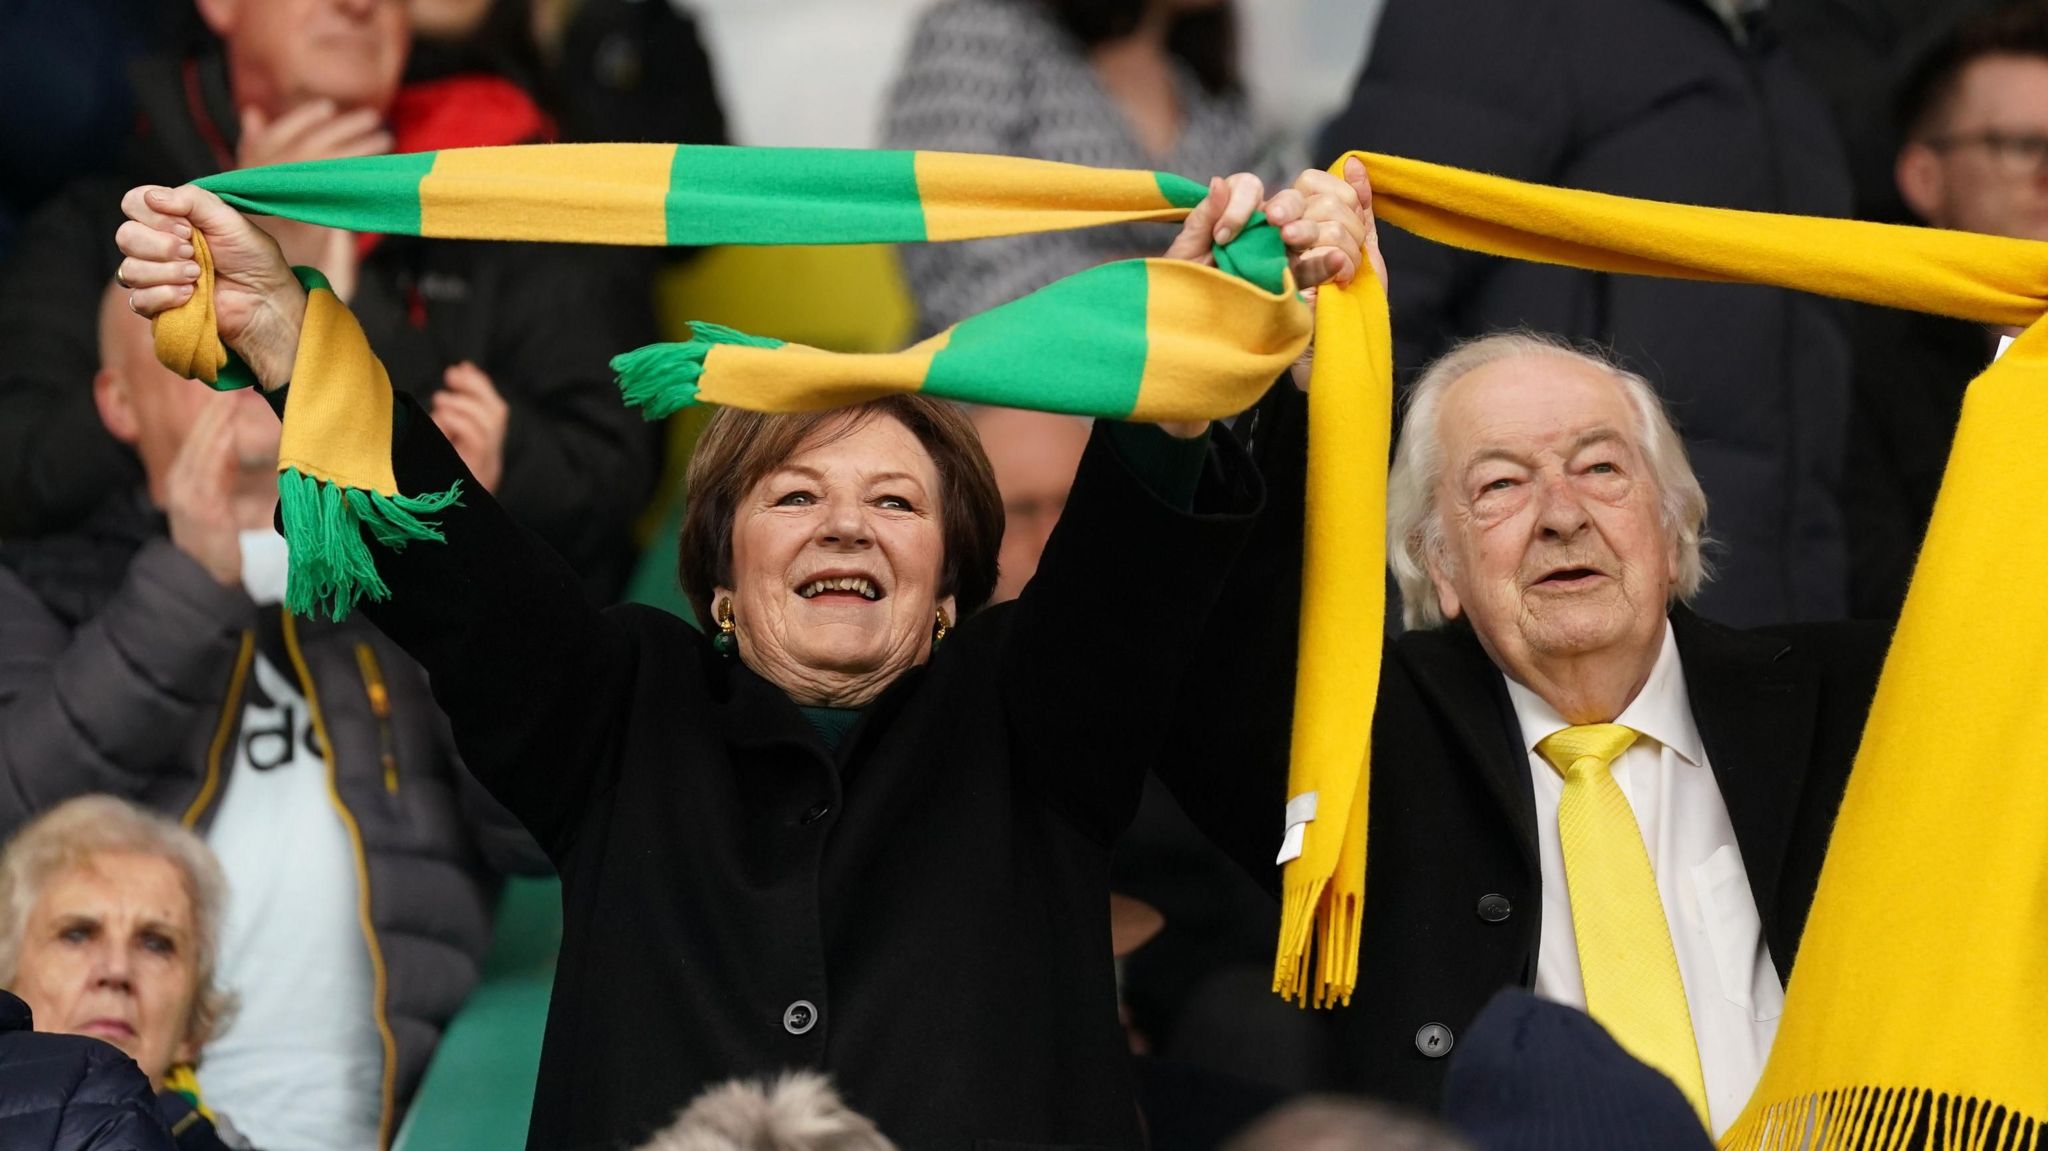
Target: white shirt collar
{"type": "Point", "coordinates": [1662, 710]}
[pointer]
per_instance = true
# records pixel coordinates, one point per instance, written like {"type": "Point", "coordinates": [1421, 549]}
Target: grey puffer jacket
{"type": "Point", "coordinates": [124, 668]}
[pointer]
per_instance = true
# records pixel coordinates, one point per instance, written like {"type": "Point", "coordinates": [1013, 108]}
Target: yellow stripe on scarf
{"type": "Point", "coordinates": [1919, 988]}
{"type": "Point", "coordinates": [341, 433]}
{"type": "Point", "coordinates": [967, 195]}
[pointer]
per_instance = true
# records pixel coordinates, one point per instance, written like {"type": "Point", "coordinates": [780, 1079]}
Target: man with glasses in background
{"type": "Point", "coordinates": [1973, 116]}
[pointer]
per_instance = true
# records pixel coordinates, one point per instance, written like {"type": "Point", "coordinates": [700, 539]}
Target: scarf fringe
{"type": "Point", "coordinates": [1312, 913]}
{"type": "Point", "coordinates": [661, 379]}
{"type": "Point", "coordinates": [330, 566]}
{"type": "Point", "coordinates": [1884, 1119]}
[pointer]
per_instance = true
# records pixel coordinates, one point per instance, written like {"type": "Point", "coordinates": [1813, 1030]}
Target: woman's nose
{"type": "Point", "coordinates": [845, 524]}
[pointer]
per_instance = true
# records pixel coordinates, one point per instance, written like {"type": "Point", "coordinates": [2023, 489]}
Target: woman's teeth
{"type": "Point", "coordinates": [860, 584]}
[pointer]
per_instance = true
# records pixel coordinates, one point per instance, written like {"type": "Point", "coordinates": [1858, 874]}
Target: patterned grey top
{"type": "Point", "coordinates": [1003, 77]}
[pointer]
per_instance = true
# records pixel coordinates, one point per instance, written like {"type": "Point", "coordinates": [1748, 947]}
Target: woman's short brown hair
{"type": "Point", "coordinates": [739, 447]}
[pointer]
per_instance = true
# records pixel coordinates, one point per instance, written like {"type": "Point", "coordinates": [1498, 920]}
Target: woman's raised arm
{"type": "Point", "coordinates": [529, 672]}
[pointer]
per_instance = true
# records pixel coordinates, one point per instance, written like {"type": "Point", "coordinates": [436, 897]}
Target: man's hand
{"type": "Point", "coordinates": [316, 130]}
{"type": "Point", "coordinates": [199, 493]}
{"type": "Point", "coordinates": [1329, 229]}
{"type": "Point", "coordinates": [258, 304]}
{"type": "Point", "coordinates": [474, 416]}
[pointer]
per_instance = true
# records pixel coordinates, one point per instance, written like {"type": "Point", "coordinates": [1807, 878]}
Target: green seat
{"type": "Point", "coordinates": [478, 1091]}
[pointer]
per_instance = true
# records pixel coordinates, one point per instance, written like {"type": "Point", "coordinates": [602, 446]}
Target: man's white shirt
{"type": "Point", "coordinates": [1731, 986]}
{"type": "Point", "coordinates": [300, 1067]}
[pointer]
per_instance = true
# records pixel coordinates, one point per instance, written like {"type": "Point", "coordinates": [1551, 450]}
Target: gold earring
{"type": "Point", "coordinates": [726, 642]}
{"type": "Point", "coordinates": [943, 626]}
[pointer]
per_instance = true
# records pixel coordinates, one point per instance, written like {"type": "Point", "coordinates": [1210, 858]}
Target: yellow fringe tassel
{"type": "Point", "coordinates": [1884, 1119]}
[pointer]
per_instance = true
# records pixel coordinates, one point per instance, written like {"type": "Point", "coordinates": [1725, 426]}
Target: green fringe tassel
{"type": "Point", "coordinates": [661, 379]}
{"type": "Point", "coordinates": [330, 565]}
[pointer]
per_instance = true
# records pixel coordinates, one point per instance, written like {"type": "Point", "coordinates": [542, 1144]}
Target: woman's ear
{"type": "Point", "coordinates": [111, 395]}
{"type": "Point", "coordinates": [949, 607]}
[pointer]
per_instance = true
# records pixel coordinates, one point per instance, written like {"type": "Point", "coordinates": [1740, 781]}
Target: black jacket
{"type": "Point", "coordinates": [542, 320]}
{"type": "Point", "coordinates": [70, 1092]}
{"type": "Point", "coordinates": [1453, 886]}
{"type": "Point", "coordinates": [1911, 372]}
{"type": "Point", "coordinates": [921, 912]}
{"type": "Point", "coordinates": [1656, 99]}
{"type": "Point", "coordinates": [125, 669]}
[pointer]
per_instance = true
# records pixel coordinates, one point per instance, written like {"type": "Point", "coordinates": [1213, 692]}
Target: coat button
{"type": "Point", "coordinates": [818, 811]}
{"type": "Point", "coordinates": [1434, 1040]}
{"type": "Point", "coordinates": [801, 1016]}
{"type": "Point", "coordinates": [1494, 908]}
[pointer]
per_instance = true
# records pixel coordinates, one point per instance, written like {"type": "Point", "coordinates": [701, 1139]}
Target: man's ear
{"type": "Point", "coordinates": [111, 395]}
{"type": "Point", "coordinates": [1447, 600]}
{"type": "Point", "coordinates": [218, 14]}
{"type": "Point", "coordinates": [1922, 181]}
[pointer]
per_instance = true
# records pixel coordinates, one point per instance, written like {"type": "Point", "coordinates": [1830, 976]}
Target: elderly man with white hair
{"type": "Point", "coordinates": [1578, 785]}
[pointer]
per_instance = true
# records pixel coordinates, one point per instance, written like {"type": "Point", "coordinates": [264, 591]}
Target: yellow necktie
{"type": "Point", "coordinates": [1633, 986]}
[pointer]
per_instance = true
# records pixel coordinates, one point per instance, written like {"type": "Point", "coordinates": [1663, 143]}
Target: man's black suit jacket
{"type": "Point", "coordinates": [1453, 895]}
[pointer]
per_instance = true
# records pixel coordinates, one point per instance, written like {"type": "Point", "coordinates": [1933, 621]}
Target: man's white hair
{"type": "Point", "coordinates": [797, 1111]}
{"type": "Point", "coordinates": [1415, 526]}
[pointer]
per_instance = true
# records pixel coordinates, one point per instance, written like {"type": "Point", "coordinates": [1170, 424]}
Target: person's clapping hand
{"type": "Point", "coordinates": [315, 130]}
{"type": "Point", "coordinates": [258, 304]}
{"type": "Point", "coordinates": [199, 493]}
{"type": "Point", "coordinates": [473, 416]}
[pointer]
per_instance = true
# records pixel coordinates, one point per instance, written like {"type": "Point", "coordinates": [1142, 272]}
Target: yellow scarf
{"type": "Point", "coordinates": [1921, 987]}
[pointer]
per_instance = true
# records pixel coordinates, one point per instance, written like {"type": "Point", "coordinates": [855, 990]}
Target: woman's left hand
{"type": "Point", "coordinates": [1218, 219]}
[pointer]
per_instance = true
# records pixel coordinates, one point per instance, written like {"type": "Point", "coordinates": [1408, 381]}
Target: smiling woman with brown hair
{"type": "Point", "coordinates": [861, 826]}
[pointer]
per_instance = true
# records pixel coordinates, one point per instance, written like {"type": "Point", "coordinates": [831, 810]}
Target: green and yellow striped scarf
{"type": "Point", "coordinates": [1920, 984]}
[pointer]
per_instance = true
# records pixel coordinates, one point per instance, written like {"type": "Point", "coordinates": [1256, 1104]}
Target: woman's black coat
{"type": "Point", "coordinates": [922, 914]}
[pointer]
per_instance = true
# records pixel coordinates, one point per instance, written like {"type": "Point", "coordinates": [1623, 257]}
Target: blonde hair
{"type": "Point", "coordinates": [69, 836]}
{"type": "Point", "coordinates": [1415, 527]}
{"type": "Point", "coordinates": [796, 1111]}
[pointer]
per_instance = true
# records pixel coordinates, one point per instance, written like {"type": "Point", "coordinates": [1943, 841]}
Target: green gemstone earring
{"type": "Point", "coordinates": [725, 643]}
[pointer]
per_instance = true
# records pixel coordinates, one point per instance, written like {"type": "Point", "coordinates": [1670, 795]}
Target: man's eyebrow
{"type": "Point", "coordinates": [1490, 455]}
{"type": "Point", "coordinates": [1598, 436]}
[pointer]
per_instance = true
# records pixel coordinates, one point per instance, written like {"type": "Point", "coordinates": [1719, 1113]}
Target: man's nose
{"type": "Point", "coordinates": [1560, 513]}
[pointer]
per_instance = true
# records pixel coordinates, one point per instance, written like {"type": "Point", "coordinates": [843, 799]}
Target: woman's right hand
{"type": "Point", "coordinates": [258, 304]}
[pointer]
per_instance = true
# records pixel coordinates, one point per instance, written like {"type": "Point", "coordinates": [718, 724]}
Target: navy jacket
{"type": "Point", "coordinates": [70, 1092]}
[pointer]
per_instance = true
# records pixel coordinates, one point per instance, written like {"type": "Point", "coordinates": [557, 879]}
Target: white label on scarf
{"type": "Point", "coordinates": [2004, 342]}
{"type": "Point", "coordinates": [1301, 811]}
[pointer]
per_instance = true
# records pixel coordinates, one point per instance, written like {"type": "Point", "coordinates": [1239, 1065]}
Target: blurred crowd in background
{"type": "Point", "coordinates": [143, 653]}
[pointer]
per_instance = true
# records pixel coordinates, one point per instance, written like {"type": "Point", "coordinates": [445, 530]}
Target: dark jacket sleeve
{"type": "Point", "coordinates": [578, 463]}
{"type": "Point", "coordinates": [1472, 83]}
{"type": "Point", "coordinates": [87, 711]}
{"type": "Point", "coordinates": [1225, 756]}
{"type": "Point", "coordinates": [1099, 639]}
{"type": "Point", "coordinates": [56, 459]}
{"type": "Point", "coordinates": [533, 678]}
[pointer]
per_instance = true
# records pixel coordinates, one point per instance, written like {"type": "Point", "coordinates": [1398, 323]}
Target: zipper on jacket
{"type": "Point", "coordinates": [380, 706]}
{"type": "Point", "coordinates": [230, 714]}
{"type": "Point", "coordinates": [379, 978]}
